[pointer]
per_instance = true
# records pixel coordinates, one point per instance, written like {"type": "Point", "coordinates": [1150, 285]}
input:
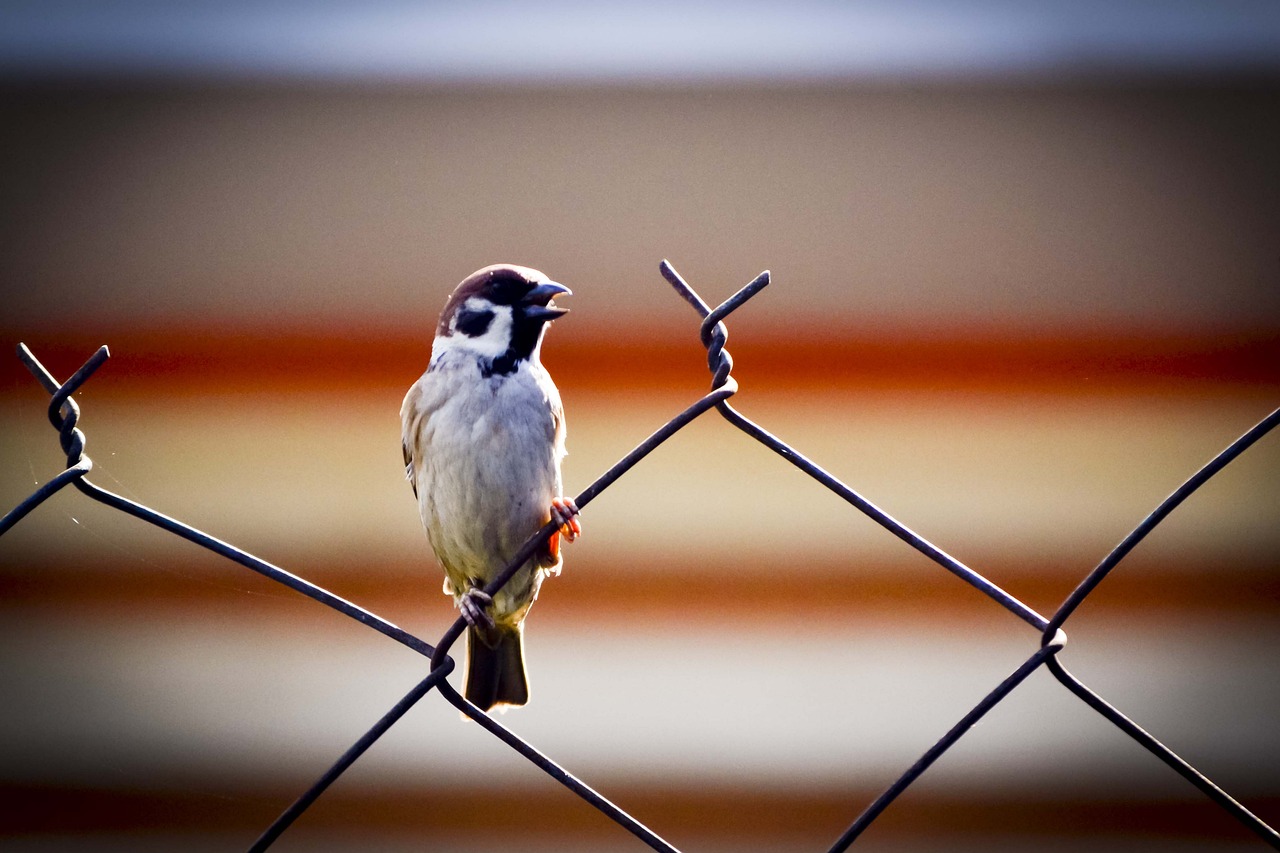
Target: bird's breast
{"type": "Point", "coordinates": [487, 469]}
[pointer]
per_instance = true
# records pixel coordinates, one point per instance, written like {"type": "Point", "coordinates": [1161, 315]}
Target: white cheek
{"type": "Point", "coordinates": [494, 342]}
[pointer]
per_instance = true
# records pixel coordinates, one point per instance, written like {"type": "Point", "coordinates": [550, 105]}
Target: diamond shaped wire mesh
{"type": "Point", "coordinates": [64, 414]}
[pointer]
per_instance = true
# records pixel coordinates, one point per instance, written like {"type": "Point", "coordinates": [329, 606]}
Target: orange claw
{"type": "Point", "coordinates": [565, 512]}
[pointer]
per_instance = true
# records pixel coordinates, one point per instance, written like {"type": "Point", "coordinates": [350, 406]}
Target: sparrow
{"type": "Point", "coordinates": [483, 435]}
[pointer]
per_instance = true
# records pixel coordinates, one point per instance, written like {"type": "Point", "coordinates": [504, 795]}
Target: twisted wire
{"type": "Point", "coordinates": [64, 414]}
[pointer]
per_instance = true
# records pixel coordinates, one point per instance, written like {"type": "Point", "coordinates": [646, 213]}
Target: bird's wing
{"type": "Point", "coordinates": [408, 466]}
{"type": "Point", "coordinates": [549, 553]}
{"type": "Point", "coordinates": [414, 412]}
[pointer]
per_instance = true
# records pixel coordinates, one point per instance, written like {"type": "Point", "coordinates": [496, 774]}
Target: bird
{"type": "Point", "coordinates": [483, 435]}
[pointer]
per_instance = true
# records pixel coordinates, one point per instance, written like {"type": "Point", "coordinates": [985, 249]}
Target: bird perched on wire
{"type": "Point", "coordinates": [483, 434]}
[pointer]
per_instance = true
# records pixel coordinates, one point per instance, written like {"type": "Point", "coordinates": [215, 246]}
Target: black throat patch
{"type": "Point", "coordinates": [503, 365]}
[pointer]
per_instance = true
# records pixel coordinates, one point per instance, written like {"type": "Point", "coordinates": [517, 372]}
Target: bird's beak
{"type": "Point", "coordinates": [539, 301]}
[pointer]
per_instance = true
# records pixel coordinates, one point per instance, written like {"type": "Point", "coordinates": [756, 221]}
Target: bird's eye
{"type": "Point", "coordinates": [473, 324]}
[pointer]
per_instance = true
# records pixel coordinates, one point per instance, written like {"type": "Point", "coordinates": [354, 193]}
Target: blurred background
{"type": "Point", "coordinates": [1026, 280]}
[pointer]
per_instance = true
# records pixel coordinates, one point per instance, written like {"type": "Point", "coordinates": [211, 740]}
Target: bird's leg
{"type": "Point", "coordinates": [474, 606]}
{"type": "Point", "coordinates": [564, 512]}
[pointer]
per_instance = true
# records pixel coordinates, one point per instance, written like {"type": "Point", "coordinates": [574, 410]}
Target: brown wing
{"type": "Point", "coordinates": [549, 554]}
{"type": "Point", "coordinates": [413, 412]}
{"type": "Point", "coordinates": [408, 466]}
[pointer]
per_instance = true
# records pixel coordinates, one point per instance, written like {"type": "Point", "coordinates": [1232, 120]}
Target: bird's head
{"type": "Point", "coordinates": [498, 315]}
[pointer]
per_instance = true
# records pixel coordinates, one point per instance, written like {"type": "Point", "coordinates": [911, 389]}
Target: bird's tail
{"type": "Point", "coordinates": [495, 667]}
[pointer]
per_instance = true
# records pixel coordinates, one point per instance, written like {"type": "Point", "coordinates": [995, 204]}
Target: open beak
{"type": "Point", "coordinates": [539, 301]}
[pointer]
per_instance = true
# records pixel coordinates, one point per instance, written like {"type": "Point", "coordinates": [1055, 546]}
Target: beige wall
{"type": "Point", "coordinates": [935, 205]}
{"type": "Point", "coordinates": [1014, 317]}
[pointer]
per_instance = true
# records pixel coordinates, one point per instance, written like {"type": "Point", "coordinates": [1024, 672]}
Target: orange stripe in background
{"type": "Point", "coordinates": [618, 594]}
{"type": "Point", "coordinates": [191, 361]}
{"type": "Point", "coordinates": [728, 813]}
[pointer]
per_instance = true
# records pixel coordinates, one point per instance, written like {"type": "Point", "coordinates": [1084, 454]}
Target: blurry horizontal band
{"type": "Point", "coordinates": [616, 593]}
{"type": "Point", "coordinates": [539, 810]}
{"type": "Point", "coordinates": [1061, 361]}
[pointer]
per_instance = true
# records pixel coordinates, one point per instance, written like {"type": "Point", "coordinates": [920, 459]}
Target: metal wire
{"type": "Point", "coordinates": [64, 414]}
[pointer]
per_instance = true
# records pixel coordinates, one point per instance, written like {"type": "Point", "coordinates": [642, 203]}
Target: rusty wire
{"type": "Point", "coordinates": [64, 414]}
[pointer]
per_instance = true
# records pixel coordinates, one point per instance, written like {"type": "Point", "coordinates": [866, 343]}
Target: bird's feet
{"type": "Point", "coordinates": [474, 606]}
{"type": "Point", "coordinates": [564, 512]}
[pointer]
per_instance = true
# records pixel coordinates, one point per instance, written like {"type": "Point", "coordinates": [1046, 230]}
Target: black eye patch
{"type": "Point", "coordinates": [473, 324]}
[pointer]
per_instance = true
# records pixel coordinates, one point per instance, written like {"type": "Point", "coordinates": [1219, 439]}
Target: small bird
{"type": "Point", "coordinates": [483, 436]}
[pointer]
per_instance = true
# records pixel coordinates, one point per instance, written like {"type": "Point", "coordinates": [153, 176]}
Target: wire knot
{"type": "Point", "coordinates": [64, 412]}
{"type": "Point", "coordinates": [713, 332]}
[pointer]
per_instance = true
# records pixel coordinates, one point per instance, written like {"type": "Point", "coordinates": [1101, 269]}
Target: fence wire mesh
{"type": "Point", "coordinates": [64, 414]}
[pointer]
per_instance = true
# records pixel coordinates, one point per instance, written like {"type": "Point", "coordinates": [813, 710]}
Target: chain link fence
{"type": "Point", "coordinates": [64, 413]}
